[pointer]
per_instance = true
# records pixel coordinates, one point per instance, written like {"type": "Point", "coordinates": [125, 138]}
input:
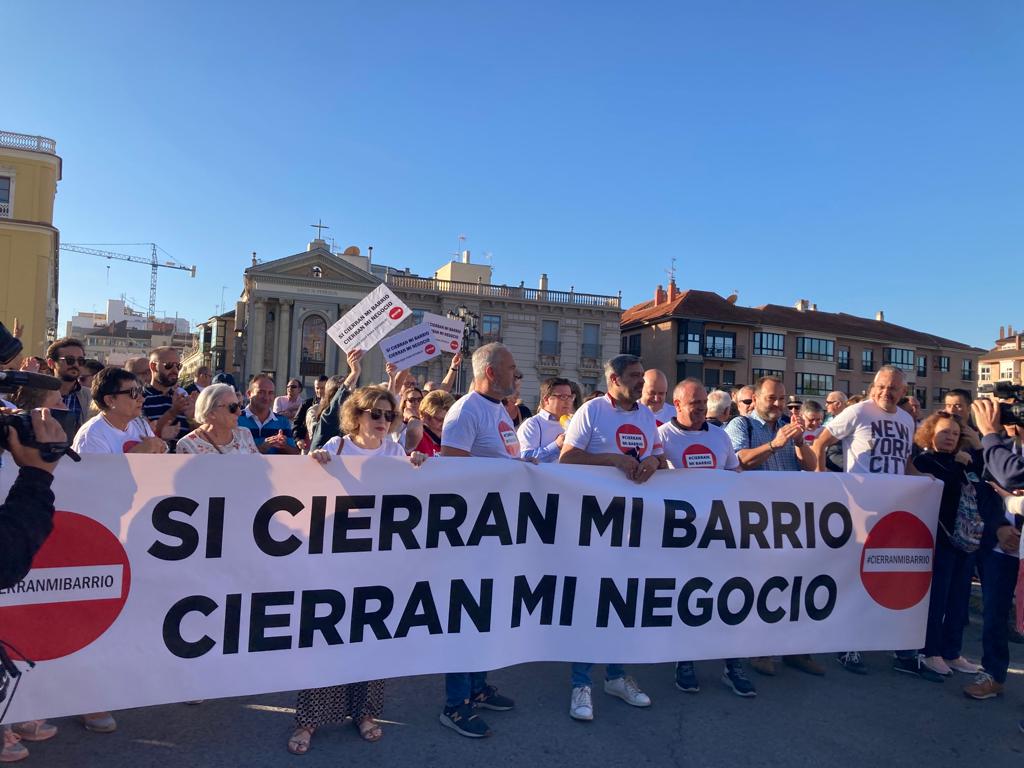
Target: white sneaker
{"type": "Point", "coordinates": [581, 705]}
{"type": "Point", "coordinates": [626, 689]}
{"type": "Point", "coordinates": [960, 664]}
{"type": "Point", "coordinates": [938, 665]}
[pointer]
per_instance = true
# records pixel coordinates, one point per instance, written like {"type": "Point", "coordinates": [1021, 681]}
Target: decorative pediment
{"type": "Point", "coordinates": [318, 264]}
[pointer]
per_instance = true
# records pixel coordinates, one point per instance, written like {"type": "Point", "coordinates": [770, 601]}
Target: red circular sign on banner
{"type": "Point", "coordinates": [699, 456]}
{"type": "Point", "coordinates": [76, 589]}
{"type": "Point", "coordinates": [454, 345]}
{"type": "Point", "coordinates": [631, 439]}
{"type": "Point", "coordinates": [395, 313]}
{"type": "Point", "coordinates": [430, 349]}
{"type": "Point", "coordinates": [896, 564]}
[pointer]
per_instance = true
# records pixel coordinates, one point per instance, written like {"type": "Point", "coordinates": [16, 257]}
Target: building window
{"type": "Point", "coordinates": [771, 344]}
{"type": "Point", "coordinates": [760, 373]}
{"type": "Point", "coordinates": [867, 360]}
{"type": "Point", "coordinates": [921, 393]}
{"type": "Point", "coordinates": [943, 364]}
{"type": "Point", "coordinates": [591, 341]}
{"type": "Point", "coordinates": [728, 377]}
{"type": "Point", "coordinates": [813, 384]}
{"type": "Point", "coordinates": [844, 386]}
{"type": "Point", "coordinates": [844, 358]}
{"type": "Point", "coordinates": [901, 358]}
{"type": "Point", "coordinates": [420, 373]}
{"type": "Point", "coordinates": [984, 373]}
{"type": "Point", "coordinates": [711, 377]}
{"type": "Point", "coordinates": [588, 384]}
{"type": "Point", "coordinates": [549, 344]}
{"type": "Point", "coordinates": [631, 344]}
{"type": "Point", "coordinates": [490, 328]}
{"type": "Point", "coordinates": [940, 394]}
{"type": "Point", "coordinates": [689, 338]}
{"type": "Point", "coordinates": [720, 344]}
{"type": "Point", "coordinates": [314, 346]}
{"type": "Point", "coordinates": [5, 198]}
{"type": "Point", "coordinates": [810, 348]}
{"type": "Point", "coordinates": [965, 370]}
{"type": "Point", "coordinates": [922, 366]}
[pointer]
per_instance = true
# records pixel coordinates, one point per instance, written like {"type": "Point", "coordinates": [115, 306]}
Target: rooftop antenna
{"type": "Point", "coordinates": [458, 249]}
{"type": "Point", "coordinates": [671, 272]}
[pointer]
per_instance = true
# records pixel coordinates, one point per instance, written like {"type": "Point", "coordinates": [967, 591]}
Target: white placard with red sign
{"type": "Point", "coordinates": [173, 578]}
{"type": "Point", "coordinates": [447, 331]}
{"type": "Point", "coordinates": [369, 321]}
{"type": "Point", "coordinates": [411, 346]}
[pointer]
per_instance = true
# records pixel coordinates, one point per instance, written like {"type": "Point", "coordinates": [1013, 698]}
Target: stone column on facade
{"type": "Point", "coordinates": [284, 336]}
{"type": "Point", "coordinates": [256, 338]}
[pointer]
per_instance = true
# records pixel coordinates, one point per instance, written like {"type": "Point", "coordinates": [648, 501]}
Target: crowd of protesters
{"type": "Point", "coordinates": [142, 408]}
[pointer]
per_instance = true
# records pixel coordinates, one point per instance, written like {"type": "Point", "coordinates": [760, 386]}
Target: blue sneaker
{"type": "Point", "coordinates": [686, 677]}
{"type": "Point", "coordinates": [465, 722]}
{"type": "Point", "coordinates": [734, 678]}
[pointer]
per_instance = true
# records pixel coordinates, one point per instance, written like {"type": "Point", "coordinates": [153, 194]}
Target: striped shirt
{"type": "Point", "coordinates": [752, 432]}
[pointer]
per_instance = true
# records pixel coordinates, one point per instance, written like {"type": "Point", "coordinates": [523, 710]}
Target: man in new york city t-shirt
{"type": "Point", "coordinates": [877, 437]}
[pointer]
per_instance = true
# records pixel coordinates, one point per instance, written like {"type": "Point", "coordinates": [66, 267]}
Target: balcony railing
{"type": "Point", "coordinates": [12, 140]}
{"type": "Point", "coordinates": [5, 210]}
{"type": "Point", "coordinates": [518, 293]}
{"type": "Point", "coordinates": [867, 367]}
{"type": "Point", "coordinates": [734, 352]}
{"type": "Point", "coordinates": [844, 365]}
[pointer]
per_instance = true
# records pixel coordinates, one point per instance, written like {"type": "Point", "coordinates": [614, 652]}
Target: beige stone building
{"type": "Point", "coordinates": [704, 335]}
{"type": "Point", "coordinates": [1003, 362]}
{"type": "Point", "coordinates": [288, 304]}
{"type": "Point", "coordinates": [215, 346]}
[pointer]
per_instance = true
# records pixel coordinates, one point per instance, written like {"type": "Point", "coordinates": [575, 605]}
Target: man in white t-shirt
{"type": "Point", "coordinates": [478, 425]}
{"type": "Point", "coordinates": [877, 437]}
{"type": "Point", "coordinates": [654, 393]}
{"type": "Point", "coordinates": [613, 431]}
{"type": "Point", "coordinates": [690, 442]}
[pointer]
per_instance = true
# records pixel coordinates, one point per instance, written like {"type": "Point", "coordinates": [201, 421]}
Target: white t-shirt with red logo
{"type": "Point", "coordinates": [481, 427]}
{"type": "Point", "coordinates": [663, 415]}
{"type": "Point", "coordinates": [811, 435]}
{"type": "Point", "coordinates": [600, 426]}
{"type": "Point", "coordinates": [98, 435]}
{"type": "Point", "coordinates": [706, 448]}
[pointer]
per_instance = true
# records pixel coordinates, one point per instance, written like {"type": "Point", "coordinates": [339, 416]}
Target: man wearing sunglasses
{"type": "Point", "coordinates": [744, 399]}
{"type": "Point", "coordinates": [66, 358]}
{"type": "Point", "coordinates": [166, 405]}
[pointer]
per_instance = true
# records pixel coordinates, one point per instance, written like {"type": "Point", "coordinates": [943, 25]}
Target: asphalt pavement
{"type": "Point", "coordinates": [882, 719]}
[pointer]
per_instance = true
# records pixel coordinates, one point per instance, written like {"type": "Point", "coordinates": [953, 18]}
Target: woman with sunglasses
{"type": "Point", "coordinates": [424, 434]}
{"type": "Point", "coordinates": [367, 417]}
{"type": "Point", "coordinates": [217, 410]}
{"type": "Point", "coordinates": [119, 426]}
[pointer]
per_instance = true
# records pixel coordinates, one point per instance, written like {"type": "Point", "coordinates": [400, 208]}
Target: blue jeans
{"type": "Point", "coordinates": [998, 580]}
{"type": "Point", "coordinates": [581, 672]}
{"type": "Point", "coordinates": [460, 686]}
{"type": "Point", "coordinates": [951, 595]}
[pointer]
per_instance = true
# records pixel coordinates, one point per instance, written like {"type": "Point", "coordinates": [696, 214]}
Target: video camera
{"type": "Point", "coordinates": [21, 421]}
{"type": "Point", "coordinates": [1009, 413]}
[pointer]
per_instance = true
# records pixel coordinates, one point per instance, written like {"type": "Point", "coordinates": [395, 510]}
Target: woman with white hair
{"type": "Point", "coordinates": [217, 410]}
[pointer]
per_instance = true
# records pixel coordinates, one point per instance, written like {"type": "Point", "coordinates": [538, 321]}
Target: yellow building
{"type": "Point", "coordinates": [29, 171]}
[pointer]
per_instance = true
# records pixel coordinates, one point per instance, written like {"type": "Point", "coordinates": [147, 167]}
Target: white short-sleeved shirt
{"type": "Point", "coordinates": [386, 448]}
{"type": "Point", "coordinates": [98, 435]}
{"type": "Point", "coordinates": [664, 414]}
{"type": "Point", "coordinates": [874, 440]}
{"type": "Point", "coordinates": [480, 426]}
{"type": "Point", "coordinates": [600, 426]}
{"type": "Point", "coordinates": [811, 435]}
{"type": "Point", "coordinates": [705, 448]}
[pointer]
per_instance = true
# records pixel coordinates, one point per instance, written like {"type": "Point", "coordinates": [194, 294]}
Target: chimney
{"type": "Point", "coordinates": [543, 284]}
{"type": "Point", "coordinates": [660, 297]}
{"type": "Point", "coordinates": [1009, 330]}
{"type": "Point", "coordinates": [814, 307]}
{"type": "Point", "coordinates": [673, 292]}
{"type": "Point", "coordinates": [880, 316]}
{"type": "Point", "coordinates": [802, 305]}
{"type": "Point", "coordinates": [1002, 332]}
{"type": "Point", "coordinates": [465, 256]}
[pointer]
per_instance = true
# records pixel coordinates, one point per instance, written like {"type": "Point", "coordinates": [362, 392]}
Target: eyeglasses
{"type": "Point", "coordinates": [133, 392]}
{"type": "Point", "coordinates": [413, 399]}
{"type": "Point", "coordinates": [561, 397]}
{"type": "Point", "coordinates": [376, 414]}
{"type": "Point", "coordinates": [748, 401]}
{"type": "Point", "coordinates": [232, 407]}
{"type": "Point", "coordinates": [169, 366]}
{"type": "Point", "coordinates": [72, 360]}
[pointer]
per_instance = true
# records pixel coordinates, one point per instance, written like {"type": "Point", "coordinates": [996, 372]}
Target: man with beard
{"type": "Point", "coordinates": [166, 405]}
{"type": "Point", "coordinates": [66, 360]}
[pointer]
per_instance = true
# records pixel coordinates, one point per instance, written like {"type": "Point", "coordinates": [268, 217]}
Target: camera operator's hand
{"type": "Point", "coordinates": [47, 430]}
{"type": "Point", "coordinates": [986, 415]}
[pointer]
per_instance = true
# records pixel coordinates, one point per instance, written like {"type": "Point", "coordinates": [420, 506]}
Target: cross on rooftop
{"type": "Point", "coordinates": [318, 227]}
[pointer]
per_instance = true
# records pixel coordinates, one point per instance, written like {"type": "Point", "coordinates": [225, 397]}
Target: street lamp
{"type": "Point", "coordinates": [469, 330]}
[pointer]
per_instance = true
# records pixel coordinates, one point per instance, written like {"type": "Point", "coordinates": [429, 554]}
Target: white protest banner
{"type": "Point", "coordinates": [411, 346]}
{"type": "Point", "coordinates": [369, 321]}
{"type": "Point", "coordinates": [447, 331]}
{"type": "Point", "coordinates": [173, 578]}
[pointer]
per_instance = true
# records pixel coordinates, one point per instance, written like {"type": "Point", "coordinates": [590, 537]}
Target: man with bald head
{"type": "Point", "coordinates": [835, 402]}
{"type": "Point", "coordinates": [744, 399]}
{"type": "Point", "coordinates": [654, 394]}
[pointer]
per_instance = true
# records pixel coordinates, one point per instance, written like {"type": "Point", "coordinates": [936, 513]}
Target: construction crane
{"type": "Point", "coordinates": [153, 262]}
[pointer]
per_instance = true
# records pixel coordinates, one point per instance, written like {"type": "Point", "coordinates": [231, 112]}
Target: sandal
{"type": "Point", "coordinates": [13, 750]}
{"type": "Point", "coordinates": [298, 742]}
{"type": "Point", "coordinates": [369, 729]}
{"type": "Point", "coordinates": [35, 730]}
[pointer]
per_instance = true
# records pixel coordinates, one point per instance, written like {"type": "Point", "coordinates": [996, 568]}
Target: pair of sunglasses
{"type": "Point", "coordinates": [232, 407]}
{"type": "Point", "coordinates": [133, 392]}
{"type": "Point", "coordinates": [376, 414]}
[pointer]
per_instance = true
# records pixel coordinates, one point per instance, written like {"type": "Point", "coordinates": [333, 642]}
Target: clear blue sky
{"type": "Point", "coordinates": [861, 155]}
